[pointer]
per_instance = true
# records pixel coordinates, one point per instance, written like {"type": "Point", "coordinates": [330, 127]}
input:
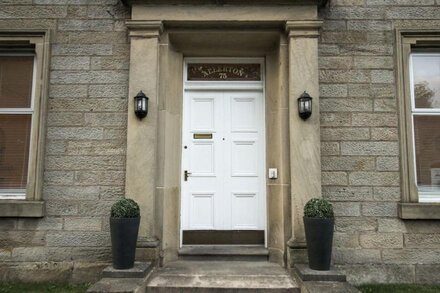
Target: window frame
{"type": "Point", "coordinates": [32, 204]}
{"type": "Point", "coordinates": [406, 41]}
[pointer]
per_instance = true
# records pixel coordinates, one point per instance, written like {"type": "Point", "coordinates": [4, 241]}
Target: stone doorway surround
{"type": "Point", "coordinates": [161, 34]}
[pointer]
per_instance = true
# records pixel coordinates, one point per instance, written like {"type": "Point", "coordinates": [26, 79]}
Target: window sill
{"type": "Point", "coordinates": [419, 211]}
{"type": "Point", "coordinates": [22, 208]}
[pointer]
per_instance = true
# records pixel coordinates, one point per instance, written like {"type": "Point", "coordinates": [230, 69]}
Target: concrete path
{"type": "Point", "coordinates": [221, 276]}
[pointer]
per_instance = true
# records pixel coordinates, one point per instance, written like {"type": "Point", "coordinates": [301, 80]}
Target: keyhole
{"type": "Point", "coordinates": [185, 147]}
{"type": "Point", "coordinates": [223, 138]}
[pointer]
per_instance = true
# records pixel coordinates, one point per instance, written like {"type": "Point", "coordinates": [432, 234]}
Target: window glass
{"type": "Point", "coordinates": [426, 124]}
{"type": "Point", "coordinates": [14, 152]}
{"type": "Point", "coordinates": [427, 149]}
{"type": "Point", "coordinates": [426, 80]}
{"type": "Point", "coordinates": [16, 81]}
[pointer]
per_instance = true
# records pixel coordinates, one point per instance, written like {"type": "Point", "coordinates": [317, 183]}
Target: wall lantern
{"type": "Point", "coordinates": [305, 106]}
{"type": "Point", "coordinates": [141, 105]}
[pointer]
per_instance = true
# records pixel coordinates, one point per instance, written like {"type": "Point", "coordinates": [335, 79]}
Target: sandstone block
{"type": "Point", "coordinates": [382, 209]}
{"type": "Point", "coordinates": [97, 208]}
{"type": "Point", "coordinates": [83, 223]}
{"type": "Point", "coordinates": [93, 163]}
{"type": "Point", "coordinates": [346, 105]}
{"type": "Point", "coordinates": [387, 163]}
{"type": "Point", "coordinates": [384, 133]}
{"type": "Point", "coordinates": [391, 225]}
{"type": "Point", "coordinates": [329, 148]}
{"type": "Point", "coordinates": [68, 91]}
{"type": "Point", "coordinates": [78, 239]}
{"type": "Point", "coordinates": [412, 12]}
{"type": "Point", "coordinates": [58, 177]}
{"type": "Point", "coordinates": [356, 256]}
{"type": "Point", "coordinates": [347, 163]}
{"type": "Point", "coordinates": [334, 178]}
{"type": "Point", "coordinates": [369, 25]}
{"type": "Point", "coordinates": [109, 63]}
{"type": "Point", "coordinates": [65, 119]}
{"type": "Point", "coordinates": [381, 240]}
{"type": "Point", "coordinates": [347, 193]}
{"type": "Point", "coordinates": [363, 62]}
{"type": "Point", "coordinates": [427, 274]}
{"type": "Point", "coordinates": [32, 11]}
{"type": "Point", "coordinates": [100, 177]}
{"type": "Point", "coordinates": [96, 147]}
{"type": "Point", "coordinates": [346, 240]}
{"type": "Point", "coordinates": [10, 239]}
{"type": "Point", "coordinates": [411, 256]}
{"type": "Point", "coordinates": [333, 90]}
{"type": "Point", "coordinates": [338, 134]}
{"type": "Point", "coordinates": [70, 63]}
{"type": "Point", "coordinates": [369, 148]}
{"type": "Point", "coordinates": [382, 76]}
{"type": "Point", "coordinates": [108, 91]}
{"type": "Point", "coordinates": [71, 192]}
{"type": "Point", "coordinates": [88, 105]}
{"type": "Point", "coordinates": [335, 119]}
{"type": "Point", "coordinates": [74, 133]}
{"type": "Point", "coordinates": [374, 119]}
{"type": "Point", "coordinates": [385, 105]}
{"type": "Point", "coordinates": [82, 49]}
{"type": "Point", "coordinates": [85, 25]}
{"type": "Point", "coordinates": [379, 273]}
{"type": "Point", "coordinates": [106, 119]}
{"type": "Point", "coordinates": [44, 224]}
{"type": "Point", "coordinates": [350, 224]}
{"type": "Point", "coordinates": [347, 209]}
{"type": "Point", "coordinates": [61, 208]}
{"type": "Point", "coordinates": [422, 241]}
{"type": "Point", "coordinates": [386, 193]}
{"type": "Point", "coordinates": [344, 62]}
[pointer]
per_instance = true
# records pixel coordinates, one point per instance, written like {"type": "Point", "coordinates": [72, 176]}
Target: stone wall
{"type": "Point", "coordinates": [86, 139]}
{"type": "Point", "coordinates": [360, 141]}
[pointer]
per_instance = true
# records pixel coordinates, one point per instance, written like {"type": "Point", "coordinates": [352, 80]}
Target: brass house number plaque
{"type": "Point", "coordinates": [224, 72]}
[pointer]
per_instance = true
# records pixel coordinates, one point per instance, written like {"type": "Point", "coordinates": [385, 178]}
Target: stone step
{"type": "Point", "coordinates": [333, 287]}
{"type": "Point", "coordinates": [307, 274]}
{"type": "Point", "coordinates": [224, 252]}
{"type": "Point", "coordinates": [221, 276]}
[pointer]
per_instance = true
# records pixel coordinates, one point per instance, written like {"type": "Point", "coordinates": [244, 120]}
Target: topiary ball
{"type": "Point", "coordinates": [318, 208]}
{"type": "Point", "coordinates": [125, 208]}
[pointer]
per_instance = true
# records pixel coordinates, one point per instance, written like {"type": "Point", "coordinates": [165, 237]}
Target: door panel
{"type": "Point", "coordinates": [225, 189]}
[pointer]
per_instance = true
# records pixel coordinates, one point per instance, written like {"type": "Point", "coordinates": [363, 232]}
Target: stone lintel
{"type": "Point", "coordinates": [303, 28]}
{"type": "Point", "coordinates": [144, 29]}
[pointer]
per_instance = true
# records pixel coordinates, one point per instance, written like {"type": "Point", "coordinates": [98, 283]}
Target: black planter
{"type": "Point", "coordinates": [319, 237]}
{"type": "Point", "coordinates": [124, 233]}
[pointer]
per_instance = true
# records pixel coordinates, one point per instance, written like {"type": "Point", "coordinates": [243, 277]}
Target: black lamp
{"type": "Point", "coordinates": [305, 106]}
{"type": "Point", "coordinates": [141, 105]}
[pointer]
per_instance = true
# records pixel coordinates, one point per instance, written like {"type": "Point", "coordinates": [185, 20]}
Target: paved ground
{"type": "Point", "coordinates": [230, 276]}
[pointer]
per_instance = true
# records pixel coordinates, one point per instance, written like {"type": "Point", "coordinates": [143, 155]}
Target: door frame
{"type": "Point", "coordinates": [227, 86]}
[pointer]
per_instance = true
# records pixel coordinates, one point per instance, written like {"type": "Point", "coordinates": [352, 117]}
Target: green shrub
{"type": "Point", "coordinates": [318, 208]}
{"type": "Point", "coordinates": [125, 208]}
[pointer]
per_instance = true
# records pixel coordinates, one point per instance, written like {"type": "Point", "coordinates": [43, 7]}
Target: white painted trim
{"type": "Point", "coordinates": [232, 86]}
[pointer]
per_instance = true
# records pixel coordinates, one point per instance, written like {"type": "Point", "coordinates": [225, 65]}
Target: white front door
{"type": "Point", "coordinates": [223, 154]}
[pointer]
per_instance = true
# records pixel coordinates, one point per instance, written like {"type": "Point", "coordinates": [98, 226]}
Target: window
{"type": "Point", "coordinates": [419, 96]}
{"type": "Point", "coordinates": [23, 67]}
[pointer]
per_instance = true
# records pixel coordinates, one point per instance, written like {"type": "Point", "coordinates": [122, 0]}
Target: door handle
{"type": "Point", "coordinates": [186, 175]}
